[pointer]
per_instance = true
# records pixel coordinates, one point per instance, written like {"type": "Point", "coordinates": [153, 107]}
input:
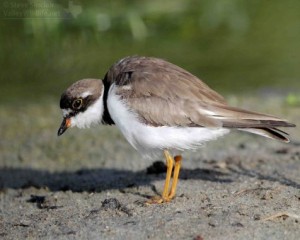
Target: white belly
{"type": "Point", "coordinates": [150, 141]}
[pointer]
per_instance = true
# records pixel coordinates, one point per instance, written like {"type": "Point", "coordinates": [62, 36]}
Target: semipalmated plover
{"type": "Point", "coordinates": [160, 108]}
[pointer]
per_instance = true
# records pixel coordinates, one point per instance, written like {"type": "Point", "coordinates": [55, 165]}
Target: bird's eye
{"type": "Point", "coordinates": [77, 103]}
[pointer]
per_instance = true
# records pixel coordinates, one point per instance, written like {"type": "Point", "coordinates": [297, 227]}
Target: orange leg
{"type": "Point", "coordinates": [177, 167]}
{"type": "Point", "coordinates": [167, 194]}
{"type": "Point", "coordinates": [170, 164]}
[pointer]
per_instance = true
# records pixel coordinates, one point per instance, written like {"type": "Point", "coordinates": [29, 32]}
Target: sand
{"type": "Point", "coordinates": [90, 184]}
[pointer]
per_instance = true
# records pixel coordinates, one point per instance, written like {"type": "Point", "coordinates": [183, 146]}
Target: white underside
{"type": "Point", "coordinates": [149, 140]}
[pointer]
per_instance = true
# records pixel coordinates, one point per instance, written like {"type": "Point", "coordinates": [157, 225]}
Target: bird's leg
{"type": "Point", "coordinates": [177, 167]}
{"type": "Point", "coordinates": [165, 194]}
{"type": "Point", "coordinates": [168, 195]}
{"type": "Point", "coordinates": [170, 164]}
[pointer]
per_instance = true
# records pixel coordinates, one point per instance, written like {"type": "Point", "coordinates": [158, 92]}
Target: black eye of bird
{"type": "Point", "coordinates": [77, 103]}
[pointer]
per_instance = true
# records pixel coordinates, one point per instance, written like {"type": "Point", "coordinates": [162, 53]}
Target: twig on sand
{"type": "Point", "coordinates": [284, 215]}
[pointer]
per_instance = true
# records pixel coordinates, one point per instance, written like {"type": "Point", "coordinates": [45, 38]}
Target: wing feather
{"type": "Point", "coordinates": [163, 94]}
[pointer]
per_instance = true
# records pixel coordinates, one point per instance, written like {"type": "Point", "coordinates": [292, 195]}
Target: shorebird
{"type": "Point", "coordinates": [160, 108]}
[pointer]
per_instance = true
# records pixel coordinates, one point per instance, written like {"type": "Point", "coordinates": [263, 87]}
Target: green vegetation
{"type": "Point", "coordinates": [233, 45]}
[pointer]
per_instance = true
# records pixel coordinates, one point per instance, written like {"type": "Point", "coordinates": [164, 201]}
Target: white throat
{"type": "Point", "coordinates": [92, 115]}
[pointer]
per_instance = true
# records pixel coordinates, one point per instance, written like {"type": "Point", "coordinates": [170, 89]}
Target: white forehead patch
{"type": "Point", "coordinates": [85, 94]}
{"type": "Point", "coordinates": [66, 112]}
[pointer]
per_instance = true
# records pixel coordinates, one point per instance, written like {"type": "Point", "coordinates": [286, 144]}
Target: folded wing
{"type": "Point", "coordinates": [163, 94]}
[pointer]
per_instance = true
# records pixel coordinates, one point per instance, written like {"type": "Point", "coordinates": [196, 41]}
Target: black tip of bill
{"type": "Point", "coordinates": [60, 131]}
{"type": "Point", "coordinates": [63, 127]}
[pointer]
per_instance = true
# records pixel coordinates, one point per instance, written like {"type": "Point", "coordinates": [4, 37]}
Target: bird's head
{"type": "Point", "coordinates": [82, 104]}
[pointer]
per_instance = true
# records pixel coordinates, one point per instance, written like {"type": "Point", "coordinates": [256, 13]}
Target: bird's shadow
{"type": "Point", "coordinates": [94, 180]}
{"type": "Point", "coordinates": [97, 180]}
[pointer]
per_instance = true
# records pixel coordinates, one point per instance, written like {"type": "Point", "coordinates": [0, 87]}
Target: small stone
{"type": "Point", "coordinates": [256, 217]}
{"type": "Point", "coordinates": [111, 203]}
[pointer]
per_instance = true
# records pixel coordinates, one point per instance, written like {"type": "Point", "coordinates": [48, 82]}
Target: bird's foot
{"type": "Point", "coordinates": [158, 200]}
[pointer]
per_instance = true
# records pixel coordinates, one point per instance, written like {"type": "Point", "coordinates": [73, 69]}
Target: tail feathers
{"type": "Point", "coordinates": [253, 122]}
{"type": "Point", "coordinates": [256, 123]}
{"type": "Point", "coordinates": [273, 133]}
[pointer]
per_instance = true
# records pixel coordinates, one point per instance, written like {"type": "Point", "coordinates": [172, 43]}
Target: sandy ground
{"type": "Point", "coordinates": [90, 184]}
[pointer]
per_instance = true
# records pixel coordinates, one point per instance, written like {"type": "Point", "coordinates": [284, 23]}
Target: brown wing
{"type": "Point", "coordinates": [161, 93]}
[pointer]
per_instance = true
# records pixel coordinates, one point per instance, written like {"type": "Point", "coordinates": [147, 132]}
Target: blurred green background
{"type": "Point", "coordinates": [233, 45]}
{"type": "Point", "coordinates": [247, 50]}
